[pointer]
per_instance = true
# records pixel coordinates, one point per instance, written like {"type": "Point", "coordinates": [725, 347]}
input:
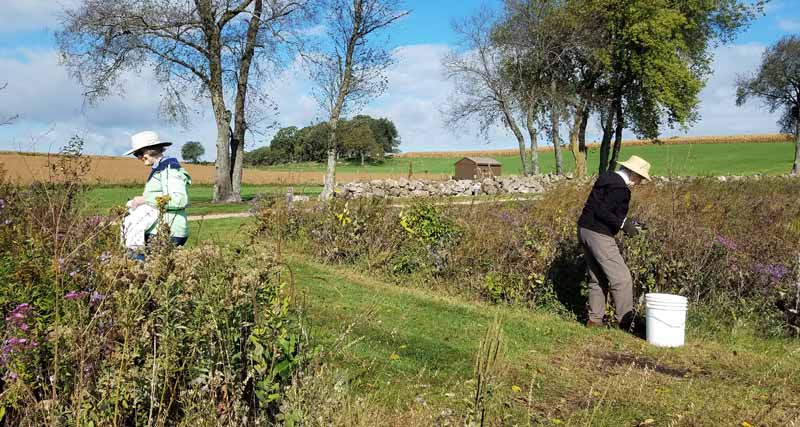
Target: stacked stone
{"type": "Point", "coordinates": [421, 188]}
{"type": "Point", "coordinates": [490, 186]}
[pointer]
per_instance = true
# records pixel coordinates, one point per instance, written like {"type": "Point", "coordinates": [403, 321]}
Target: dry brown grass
{"type": "Point", "coordinates": [24, 168]}
{"type": "Point", "coordinates": [729, 139]}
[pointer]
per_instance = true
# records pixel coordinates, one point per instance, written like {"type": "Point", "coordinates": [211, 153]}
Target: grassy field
{"type": "Point", "coordinates": [411, 355]}
{"type": "Point", "coordinates": [686, 159]}
{"type": "Point", "coordinates": [101, 198]}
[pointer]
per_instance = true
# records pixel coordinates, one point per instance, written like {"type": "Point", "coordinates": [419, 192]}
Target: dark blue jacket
{"type": "Point", "coordinates": [607, 205]}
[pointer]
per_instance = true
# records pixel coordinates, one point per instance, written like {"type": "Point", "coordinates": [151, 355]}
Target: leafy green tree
{"type": "Point", "coordinates": [358, 141]}
{"type": "Point", "coordinates": [384, 132]}
{"type": "Point", "coordinates": [777, 85]}
{"type": "Point", "coordinates": [656, 55]}
{"type": "Point", "coordinates": [192, 151]}
{"type": "Point", "coordinates": [283, 144]}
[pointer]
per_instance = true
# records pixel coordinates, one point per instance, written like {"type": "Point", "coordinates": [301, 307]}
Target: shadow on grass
{"type": "Point", "coordinates": [568, 273]}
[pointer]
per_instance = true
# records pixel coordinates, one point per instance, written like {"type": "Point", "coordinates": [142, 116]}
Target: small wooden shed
{"type": "Point", "coordinates": [477, 167]}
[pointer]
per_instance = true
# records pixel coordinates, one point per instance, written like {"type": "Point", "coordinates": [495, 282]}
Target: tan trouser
{"type": "Point", "coordinates": [606, 272]}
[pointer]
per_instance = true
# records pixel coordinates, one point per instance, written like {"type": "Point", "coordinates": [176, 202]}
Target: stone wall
{"type": "Point", "coordinates": [421, 188]}
{"type": "Point", "coordinates": [488, 186]}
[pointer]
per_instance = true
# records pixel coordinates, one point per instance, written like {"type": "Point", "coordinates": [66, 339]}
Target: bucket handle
{"type": "Point", "coordinates": [666, 323]}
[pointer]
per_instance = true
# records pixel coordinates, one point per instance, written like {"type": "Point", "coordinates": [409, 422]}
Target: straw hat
{"type": "Point", "coordinates": [145, 139]}
{"type": "Point", "coordinates": [637, 165]}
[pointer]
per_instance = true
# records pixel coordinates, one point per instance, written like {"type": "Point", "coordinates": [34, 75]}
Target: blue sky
{"type": "Point", "coordinates": [51, 109]}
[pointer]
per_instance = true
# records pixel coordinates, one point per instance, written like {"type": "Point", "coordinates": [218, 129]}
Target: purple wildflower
{"type": "Point", "coordinates": [2, 203]}
{"type": "Point", "coordinates": [11, 376]}
{"type": "Point", "coordinates": [95, 298]}
{"type": "Point", "coordinates": [73, 295]}
{"type": "Point", "coordinates": [73, 273]}
{"type": "Point", "coordinates": [15, 345]}
{"type": "Point", "coordinates": [727, 243]}
{"type": "Point", "coordinates": [775, 272]}
{"type": "Point", "coordinates": [505, 217]}
{"type": "Point", "coordinates": [17, 316]}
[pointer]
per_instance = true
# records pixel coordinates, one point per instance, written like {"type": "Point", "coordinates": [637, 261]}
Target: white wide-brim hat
{"type": "Point", "coordinates": [637, 165]}
{"type": "Point", "coordinates": [145, 139]}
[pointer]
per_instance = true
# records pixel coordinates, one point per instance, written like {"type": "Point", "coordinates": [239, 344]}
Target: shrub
{"type": "Point", "coordinates": [731, 245]}
{"type": "Point", "coordinates": [205, 336]}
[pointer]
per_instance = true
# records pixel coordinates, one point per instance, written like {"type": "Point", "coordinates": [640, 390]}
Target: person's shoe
{"type": "Point", "coordinates": [593, 324]}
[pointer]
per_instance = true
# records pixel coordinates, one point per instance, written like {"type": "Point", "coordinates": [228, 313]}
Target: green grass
{"type": "Point", "coordinates": [226, 230]}
{"type": "Point", "coordinates": [408, 345]}
{"type": "Point", "coordinates": [681, 159]}
{"type": "Point", "coordinates": [100, 199]}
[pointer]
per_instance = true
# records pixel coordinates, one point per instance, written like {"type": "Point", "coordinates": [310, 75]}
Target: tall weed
{"type": "Point", "coordinates": [205, 336]}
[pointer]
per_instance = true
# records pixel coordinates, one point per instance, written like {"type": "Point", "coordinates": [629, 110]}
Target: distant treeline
{"type": "Point", "coordinates": [361, 138]}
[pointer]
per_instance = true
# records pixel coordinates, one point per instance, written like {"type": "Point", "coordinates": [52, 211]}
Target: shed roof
{"type": "Point", "coordinates": [482, 161]}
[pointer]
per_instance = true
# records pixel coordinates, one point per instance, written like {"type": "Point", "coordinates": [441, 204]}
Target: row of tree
{"type": "Point", "coordinates": [360, 138]}
{"type": "Point", "coordinates": [544, 65]}
{"type": "Point", "coordinates": [224, 52]}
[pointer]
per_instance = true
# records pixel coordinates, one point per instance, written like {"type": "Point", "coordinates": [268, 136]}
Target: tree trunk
{"type": "Point", "coordinates": [555, 123]}
{"type": "Point", "coordinates": [796, 166]}
{"type": "Point", "coordinates": [330, 171]}
{"type": "Point", "coordinates": [617, 135]}
{"type": "Point", "coordinates": [534, 155]}
{"type": "Point", "coordinates": [362, 159]}
{"type": "Point", "coordinates": [582, 139]}
{"type": "Point", "coordinates": [240, 122]}
{"type": "Point", "coordinates": [237, 159]}
{"type": "Point", "coordinates": [574, 143]}
{"type": "Point", "coordinates": [605, 143]}
{"type": "Point", "coordinates": [341, 97]}
{"type": "Point", "coordinates": [512, 124]}
{"type": "Point", "coordinates": [223, 188]}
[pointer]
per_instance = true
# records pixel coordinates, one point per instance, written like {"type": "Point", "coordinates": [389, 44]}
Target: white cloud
{"type": "Point", "coordinates": [719, 114]}
{"type": "Point", "coordinates": [31, 15]}
{"type": "Point", "coordinates": [51, 109]}
{"type": "Point", "coordinates": [789, 25]}
{"type": "Point", "coordinates": [417, 91]}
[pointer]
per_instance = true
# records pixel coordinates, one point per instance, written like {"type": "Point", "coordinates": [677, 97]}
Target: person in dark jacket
{"type": "Point", "coordinates": [603, 216]}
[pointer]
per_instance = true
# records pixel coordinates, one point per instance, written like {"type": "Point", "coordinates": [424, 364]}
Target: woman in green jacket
{"type": "Point", "coordinates": [167, 178]}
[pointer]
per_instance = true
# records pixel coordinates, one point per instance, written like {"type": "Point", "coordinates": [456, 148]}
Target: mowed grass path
{"type": "Point", "coordinates": [100, 199]}
{"type": "Point", "coordinates": [679, 159]}
{"type": "Point", "coordinates": [412, 354]}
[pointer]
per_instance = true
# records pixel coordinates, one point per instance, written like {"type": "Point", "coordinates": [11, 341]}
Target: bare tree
{"type": "Point", "coordinates": [350, 71]}
{"type": "Point", "coordinates": [7, 120]}
{"type": "Point", "coordinates": [777, 85]}
{"type": "Point", "coordinates": [540, 66]}
{"type": "Point", "coordinates": [483, 94]}
{"type": "Point", "coordinates": [216, 49]}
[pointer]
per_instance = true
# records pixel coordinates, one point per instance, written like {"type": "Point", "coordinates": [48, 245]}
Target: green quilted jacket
{"type": "Point", "coordinates": [168, 178]}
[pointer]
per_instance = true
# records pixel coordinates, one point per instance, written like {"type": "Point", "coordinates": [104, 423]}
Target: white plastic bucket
{"type": "Point", "coordinates": [665, 319]}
